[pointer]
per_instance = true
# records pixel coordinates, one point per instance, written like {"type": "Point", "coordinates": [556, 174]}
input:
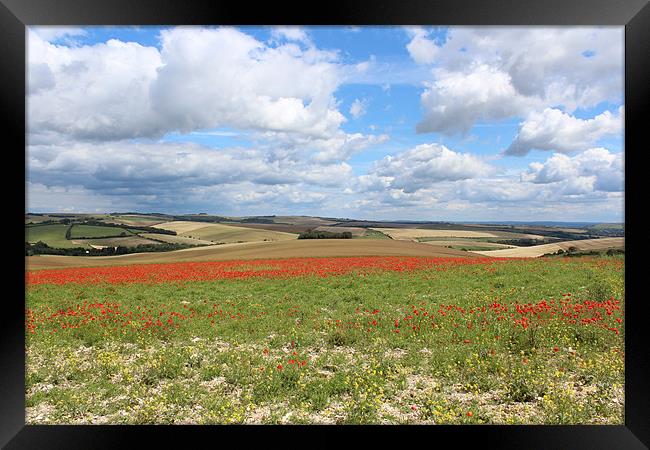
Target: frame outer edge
{"type": "Point", "coordinates": [637, 94]}
{"type": "Point", "coordinates": [12, 335]}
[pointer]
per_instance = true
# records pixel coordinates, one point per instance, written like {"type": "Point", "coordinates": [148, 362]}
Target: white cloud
{"type": "Point", "coordinates": [421, 49]}
{"type": "Point", "coordinates": [495, 190]}
{"type": "Point", "coordinates": [555, 130]}
{"type": "Point", "coordinates": [291, 33]}
{"type": "Point", "coordinates": [596, 169]}
{"type": "Point", "coordinates": [343, 146]}
{"type": "Point", "coordinates": [201, 78]}
{"type": "Point", "coordinates": [455, 101]}
{"type": "Point", "coordinates": [434, 178]}
{"type": "Point", "coordinates": [537, 66]}
{"type": "Point", "coordinates": [96, 92]}
{"type": "Point", "coordinates": [359, 107]}
{"type": "Point", "coordinates": [426, 165]}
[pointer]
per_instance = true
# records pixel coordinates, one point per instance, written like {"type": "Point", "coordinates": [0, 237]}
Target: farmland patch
{"type": "Point", "coordinates": [95, 231]}
{"type": "Point", "coordinates": [539, 250]}
{"type": "Point", "coordinates": [53, 235]}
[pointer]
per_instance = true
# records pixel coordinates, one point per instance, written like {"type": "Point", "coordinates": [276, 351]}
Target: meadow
{"type": "Point", "coordinates": [393, 340]}
{"type": "Point", "coordinates": [93, 231]}
{"type": "Point", "coordinates": [54, 234]}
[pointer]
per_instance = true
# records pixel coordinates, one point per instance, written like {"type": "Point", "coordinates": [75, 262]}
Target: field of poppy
{"type": "Point", "coordinates": [329, 340]}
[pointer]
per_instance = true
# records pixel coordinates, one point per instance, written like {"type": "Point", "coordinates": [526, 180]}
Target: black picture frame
{"type": "Point", "coordinates": [15, 15]}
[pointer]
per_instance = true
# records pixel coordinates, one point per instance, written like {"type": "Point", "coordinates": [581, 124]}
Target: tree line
{"type": "Point", "coordinates": [41, 248]}
{"type": "Point", "coordinates": [314, 234]}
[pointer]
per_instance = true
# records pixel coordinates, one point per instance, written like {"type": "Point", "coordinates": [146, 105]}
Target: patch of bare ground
{"type": "Point", "coordinates": [39, 414]}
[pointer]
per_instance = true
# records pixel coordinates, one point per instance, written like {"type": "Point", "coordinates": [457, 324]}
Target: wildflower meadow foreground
{"type": "Point", "coordinates": [391, 340]}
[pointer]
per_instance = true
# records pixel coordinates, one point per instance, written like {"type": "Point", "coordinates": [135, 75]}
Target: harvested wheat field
{"type": "Point", "coordinates": [303, 221]}
{"type": "Point", "coordinates": [356, 231]}
{"type": "Point", "coordinates": [254, 250]}
{"type": "Point", "coordinates": [296, 229]}
{"type": "Point", "coordinates": [135, 220]}
{"type": "Point", "coordinates": [219, 233]}
{"type": "Point", "coordinates": [411, 234]}
{"type": "Point", "coordinates": [539, 250]}
{"type": "Point", "coordinates": [170, 239]}
{"type": "Point", "coordinates": [468, 243]}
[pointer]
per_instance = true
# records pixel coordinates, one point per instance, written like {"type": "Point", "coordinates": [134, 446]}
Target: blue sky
{"type": "Point", "coordinates": [422, 123]}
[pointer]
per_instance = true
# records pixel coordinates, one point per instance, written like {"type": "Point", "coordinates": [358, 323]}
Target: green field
{"type": "Point", "coordinates": [52, 235]}
{"type": "Point", "coordinates": [329, 350]}
{"type": "Point", "coordinates": [96, 231]}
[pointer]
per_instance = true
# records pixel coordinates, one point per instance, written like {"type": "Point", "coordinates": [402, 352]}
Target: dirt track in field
{"type": "Point", "coordinates": [255, 250]}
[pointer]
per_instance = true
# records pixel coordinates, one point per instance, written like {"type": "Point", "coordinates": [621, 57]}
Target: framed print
{"type": "Point", "coordinates": [257, 222]}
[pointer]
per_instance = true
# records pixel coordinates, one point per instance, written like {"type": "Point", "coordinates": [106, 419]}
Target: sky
{"type": "Point", "coordinates": [378, 123]}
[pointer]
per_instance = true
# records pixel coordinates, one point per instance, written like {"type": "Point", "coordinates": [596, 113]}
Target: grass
{"type": "Point", "coordinates": [96, 231]}
{"type": "Point", "coordinates": [52, 235]}
{"type": "Point", "coordinates": [298, 350]}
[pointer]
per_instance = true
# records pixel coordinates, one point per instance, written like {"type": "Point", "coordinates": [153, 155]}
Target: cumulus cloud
{"type": "Point", "coordinates": [96, 92]}
{"type": "Point", "coordinates": [359, 107]}
{"type": "Point", "coordinates": [426, 165]}
{"type": "Point", "coordinates": [596, 169]}
{"type": "Point", "coordinates": [537, 66]}
{"type": "Point", "coordinates": [293, 33]}
{"type": "Point", "coordinates": [456, 100]}
{"type": "Point", "coordinates": [224, 77]}
{"type": "Point", "coordinates": [432, 177]}
{"type": "Point", "coordinates": [343, 146]}
{"type": "Point", "coordinates": [555, 130]}
{"type": "Point", "coordinates": [201, 78]}
{"type": "Point", "coordinates": [421, 49]}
